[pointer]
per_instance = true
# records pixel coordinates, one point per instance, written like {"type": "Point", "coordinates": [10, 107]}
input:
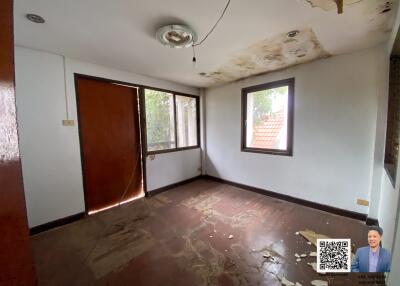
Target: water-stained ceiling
{"type": "Point", "coordinates": [251, 38]}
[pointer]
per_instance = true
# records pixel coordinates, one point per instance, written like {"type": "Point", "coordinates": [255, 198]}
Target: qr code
{"type": "Point", "coordinates": [333, 255]}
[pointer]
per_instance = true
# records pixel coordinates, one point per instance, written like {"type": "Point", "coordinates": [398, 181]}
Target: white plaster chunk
{"type": "Point", "coordinates": [298, 259]}
{"type": "Point", "coordinates": [313, 254]}
{"type": "Point", "coordinates": [286, 282]}
{"type": "Point", "coordinates": [267, 254]}
{"type": "Point", "coordinates": [298, 284]}
{"type": "Point", "coordinates": [297, 255]}
{"type": "Point", "coordinates": [319, 283]}
{"type": "Point", "coordinates": [303, 255]}
{"type": "Point", "coordinates": [230, 236]}
{"type": "Point", "coordinates": [314, 266]}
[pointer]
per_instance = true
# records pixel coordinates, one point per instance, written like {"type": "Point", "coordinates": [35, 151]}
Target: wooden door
{"type": "Point", "coordinates": [16, 263]}
{"type": "Point", "coordinates": [110, 142]}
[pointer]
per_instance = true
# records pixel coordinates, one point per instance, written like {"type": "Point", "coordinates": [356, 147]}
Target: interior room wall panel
{"type": "Point", "coordinates": [335, 110]}
{"type": "Point", "coordinates": [50, 152]}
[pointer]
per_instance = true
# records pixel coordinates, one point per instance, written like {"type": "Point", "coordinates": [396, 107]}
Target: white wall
{"type": "Point", "coordinates": [388, 208]}
{"type": "Point", "coordinates": [334, 130]}
{"type": "Point", "coordinates": [187, 164]}
{"type": "Point", "coordinates": [50, 152]}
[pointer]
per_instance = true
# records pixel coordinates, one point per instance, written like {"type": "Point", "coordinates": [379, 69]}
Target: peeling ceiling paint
{"type": "Point", "coordinates": [126, 40]}
{"type": "Point", "coordinates": [328, 5]}
{"type": "Point", "coordinates": [268, 55]}
{"type": "Point", "coordinates": [380, 6]}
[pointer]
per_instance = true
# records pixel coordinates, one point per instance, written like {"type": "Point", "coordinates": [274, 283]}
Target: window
{"type": "Point", "coordinates": [172, 121]}
{"type": "Point", "coordinates": [186, 120]}
{"type": "Point", "coordinates": [267, 111]}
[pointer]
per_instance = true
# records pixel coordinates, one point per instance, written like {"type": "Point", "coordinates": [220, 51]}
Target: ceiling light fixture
{"type": "Point", "coordinates": [176, 36]}
{"type": "Point", "coordinates": [182, 36]}
{"type": "Point", "coordinates": [35, 18]}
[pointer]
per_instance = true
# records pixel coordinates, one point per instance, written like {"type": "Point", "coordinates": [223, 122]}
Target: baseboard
{"type": "Point", "coordinates": [165, 188]}
{"type": "Point", "coordinates": [59, 222]}
{"type": "Point", "coordinates": [334, 210]}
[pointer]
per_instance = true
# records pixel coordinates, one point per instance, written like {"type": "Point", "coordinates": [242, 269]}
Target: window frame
{"type": "Point", "coordinates": [290, 124]}
{"type": "Point", "coordinates": [174, 94]}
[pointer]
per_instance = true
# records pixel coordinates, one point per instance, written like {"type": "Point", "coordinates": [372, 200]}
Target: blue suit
{"type": "Point", "coordinates": [360, 262]}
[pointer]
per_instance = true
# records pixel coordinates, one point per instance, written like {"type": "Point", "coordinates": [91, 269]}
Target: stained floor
{"type": "Point", "coordinates": [181, 237]}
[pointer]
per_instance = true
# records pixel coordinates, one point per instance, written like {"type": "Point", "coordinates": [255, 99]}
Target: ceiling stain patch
{"type": "Point", "coordinates": [385, 7]}
{"type": "Point", "coordinates": [329, 5]}
{"type": "Point", "coordinates": [270, 55]}
{"type": "Point", "coordinates": [379, 16]}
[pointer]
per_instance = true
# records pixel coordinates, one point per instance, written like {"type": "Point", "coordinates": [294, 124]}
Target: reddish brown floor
{"type": "Point", "coordinates": [180, 237]}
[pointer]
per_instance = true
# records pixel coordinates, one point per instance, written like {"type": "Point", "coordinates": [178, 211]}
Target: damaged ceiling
{"type": "Point", "coordinates": [251, 39]}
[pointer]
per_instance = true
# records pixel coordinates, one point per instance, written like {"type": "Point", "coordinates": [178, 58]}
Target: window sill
{"type": "Point", "coordinates": [287, 153]}
{"type": "Point", "coordinates": [171, 150]}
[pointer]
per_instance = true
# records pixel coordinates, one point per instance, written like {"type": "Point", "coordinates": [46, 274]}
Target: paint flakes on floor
{"type": "Point", "coordinates": [122, 246]}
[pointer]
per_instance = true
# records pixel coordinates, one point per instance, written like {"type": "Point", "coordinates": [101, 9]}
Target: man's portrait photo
{"type": "Point", "coordinates": [372, 258]}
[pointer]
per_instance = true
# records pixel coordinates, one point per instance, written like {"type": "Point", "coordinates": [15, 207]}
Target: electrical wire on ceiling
{"type": "Point", "coordinates": [209, 33]}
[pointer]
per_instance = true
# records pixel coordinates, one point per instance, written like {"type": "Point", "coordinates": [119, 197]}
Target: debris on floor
{"type": "Point", "coordinates": [313, 254]}
{"type": "Point", "coordinates": [273, 259]}
{"type": "Point", "coordinates": [298, 256]}
{"type": "Point", "coordinates": [313, 265]}
{"type": "Point", "coordinates": [319, 283]}
{"type": "Point", "coordinates": [303, 255]}
{"type": "Point", "coordinates": [312, 236]}
{"type": "Point", "coordinates": [184, 247]}
{"type": "Point", "coordinates": [286, 282]}
{"type": "Point", "coordinates": [267, 254]}
{"type": "Point", "coordinates": [230, 236]}
{"type": "Point", "coordinates": [298, 259]}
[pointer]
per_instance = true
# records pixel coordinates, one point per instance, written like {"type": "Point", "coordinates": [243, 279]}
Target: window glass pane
{"type": "Point", "coordinates": [267, 118]}
{"type": "Point", "coordinates": [186, 118]}
{"type": "Point", "coordinates": [160, 123]}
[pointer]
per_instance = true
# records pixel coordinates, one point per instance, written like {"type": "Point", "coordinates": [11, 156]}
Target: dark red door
{"type": "Point", "coordinates": [110, 142]}
{"type": "Point", "coordinates": [16, 264]}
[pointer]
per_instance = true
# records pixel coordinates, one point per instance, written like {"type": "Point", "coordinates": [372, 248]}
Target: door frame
{"type": "Point", "coordinates": [78, 76]}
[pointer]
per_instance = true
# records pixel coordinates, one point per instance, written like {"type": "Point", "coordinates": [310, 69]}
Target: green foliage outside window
{"type": "Point", "coordinates": [159, 122]}
{"type": "Point", "coordinates": [263, 101]}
